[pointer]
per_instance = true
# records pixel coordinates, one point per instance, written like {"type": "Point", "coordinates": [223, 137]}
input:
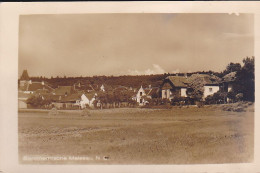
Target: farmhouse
{"type": "Point", "coordinates": [228, 81]}
{"type": "Point", "coordinates": [174, 86]}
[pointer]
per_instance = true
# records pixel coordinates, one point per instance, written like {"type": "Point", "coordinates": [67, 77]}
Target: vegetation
{"type": "Point", "coordinates": [37, 101]}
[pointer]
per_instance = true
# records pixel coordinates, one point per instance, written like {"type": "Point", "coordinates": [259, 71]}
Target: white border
{"type": "Point", "coordinates": [9, 17]}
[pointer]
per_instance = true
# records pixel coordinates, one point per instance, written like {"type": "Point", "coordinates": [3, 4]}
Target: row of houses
{"type": "Point", "coordinates": [178, 86]}
{"type": "Point", "coordinates": [76, 96]}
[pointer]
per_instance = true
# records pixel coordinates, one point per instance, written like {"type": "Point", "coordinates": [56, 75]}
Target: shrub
{"type": "Point", "coordinates": [217, 98]}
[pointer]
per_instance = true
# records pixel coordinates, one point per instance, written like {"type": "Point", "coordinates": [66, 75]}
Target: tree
{"type": "Point", "coordinates": [245, 80]}
{"type": "Point", "coordinates": [232, 67]}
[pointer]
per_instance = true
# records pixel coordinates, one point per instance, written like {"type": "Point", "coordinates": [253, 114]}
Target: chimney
{"type": "Point", "coordinates": [177, 74]}
{"type": "Point", "coordinates": [185, 75]}
{"type": "Point", "coordinates": [30, 81]}
{"type": "Point", "coordinates": [42, 82]}
{"type": "Point", "coordinates": [150, 86]}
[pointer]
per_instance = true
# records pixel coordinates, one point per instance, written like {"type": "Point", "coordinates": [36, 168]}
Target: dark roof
{"type": "Point", "coordinates": [178, 81]}
{"type": "Point", "coordinates": [25, 76]}
{"type": "Point", "coordinates": [205, 79]}
{"type": "Point", "coordinates": [230, 77]}
{"type": "Point", "coordinates": [34, 86]}
{"type": "Point", "coordinates": [90, 95]}
{"type": "Point", "coordinates": [151, 91]}
{"type": "Point", "coordinates": [72, 97]}
{"type": "Point", "coordinates": [62, 90]}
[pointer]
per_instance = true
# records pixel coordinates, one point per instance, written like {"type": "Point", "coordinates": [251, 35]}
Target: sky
{"type": "Point", "coordinates": [132, 44]}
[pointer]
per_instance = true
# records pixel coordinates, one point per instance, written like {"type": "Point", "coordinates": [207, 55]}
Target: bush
{"type": "Point", "coordinates": [217, 98]}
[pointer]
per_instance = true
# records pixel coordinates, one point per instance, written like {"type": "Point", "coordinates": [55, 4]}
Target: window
{"type": "Point", "coordinates": [210, 89]}
{"type": "Point", "coordinates": [141, 93]}
{"type": "Point", "coordinates": [141, 101]}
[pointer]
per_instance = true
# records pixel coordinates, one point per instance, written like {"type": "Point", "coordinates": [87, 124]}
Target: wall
{"type": "Point", "coordinates": [207, 91]}
{"type": "Point", "coordinates": [138, 96]}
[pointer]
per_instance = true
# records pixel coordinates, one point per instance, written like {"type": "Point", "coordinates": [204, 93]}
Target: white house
{"type": "Point", "coordinates": [145, 93]}
{"type": "Point", "coordinates": [102, 88]}
{"type": "Point", "coordinates": [139, 96]}
{"type": "Point", "coordinates": [87, 99]}
{"type": "Point", "coordinates": [210, 83]}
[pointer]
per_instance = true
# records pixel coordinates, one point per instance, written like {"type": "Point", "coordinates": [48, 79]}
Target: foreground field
{"type": "Point", "coordinates": [137, 136]}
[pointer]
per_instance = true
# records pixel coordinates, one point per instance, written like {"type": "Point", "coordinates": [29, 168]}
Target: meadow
{"type": "Point", "coordinates": [187, 135]}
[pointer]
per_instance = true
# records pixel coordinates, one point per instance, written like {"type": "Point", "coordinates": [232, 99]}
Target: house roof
{"type": "Point", "coordinates": [72, 97]}
{"type": "Point", "coordinates": [205, 79]}
{"type": "Point", "coordinates": [35, 86]}
{"type": "Point", "coordinates": [151, 91]}
{"type": "Point", "coordinates": [178, 81]}
{"type": "Point", "coordinates": [62, 90]}
{"type": "Point", "coordinates": [230, 77]}
{"type": "Point", "coordinates": [90, 95]}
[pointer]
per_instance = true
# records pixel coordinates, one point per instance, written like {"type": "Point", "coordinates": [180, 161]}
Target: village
{"type": "Point", "coordinates": [174, 89]}
{"type": "Point", "coordinates": [135, 88]}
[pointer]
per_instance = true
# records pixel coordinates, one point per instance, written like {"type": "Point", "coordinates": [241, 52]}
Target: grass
{"type": "Point", "coordinates": [139, 136]}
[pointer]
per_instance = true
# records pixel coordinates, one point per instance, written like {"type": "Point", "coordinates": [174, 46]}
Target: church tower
{"type": "Point", "coordinates": [24, 78]}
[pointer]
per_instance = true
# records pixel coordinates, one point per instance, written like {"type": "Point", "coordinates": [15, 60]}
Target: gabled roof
{"type": "Point", "coordinates": [151, 91]}
{"type": "Point", "coordinates": [178, 81]}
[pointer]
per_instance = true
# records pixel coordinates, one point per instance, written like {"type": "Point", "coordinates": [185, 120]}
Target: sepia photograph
{"type": "Point", "coordinates": [136, 88]}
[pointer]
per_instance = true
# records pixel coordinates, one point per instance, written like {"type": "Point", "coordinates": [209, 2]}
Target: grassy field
{"type": "Point", "coordinates": [138, 136]}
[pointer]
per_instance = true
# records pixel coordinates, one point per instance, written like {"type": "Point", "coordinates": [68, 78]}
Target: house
{"type": "Point", "coordinates": [27, 86]}
{"type": "Point", "coordinates": [34, 87]}
{"type": "Point", "coordinates": [140, 96]}
{"type": "Point", "coordinates": [102, 88]}
{"type": "Point", "coordinates": [177, 86]}
{"type": "Point", "coordinates": [174, 86]}
{"type": "Point", "coordinates": [209, 83]}
{"type": "Point", "coordinates": [228, 81]}
{"type": "Point", "coordinates": [75, 100]}
{"type": "Point", "coordinates": [143, 94]}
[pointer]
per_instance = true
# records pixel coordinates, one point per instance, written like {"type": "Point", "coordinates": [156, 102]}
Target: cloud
{"type": "Point", "coordinates": [237, 14]}
{"type": "Point", "coordinates": [156, 69]}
